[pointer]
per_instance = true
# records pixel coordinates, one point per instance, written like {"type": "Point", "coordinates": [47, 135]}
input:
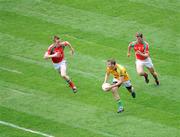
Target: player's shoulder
{"type": "Point", "coordinates": [146, 45]}
{"type": "Point", "coordinates": [108, 69]}
{"type": "Point", "coordinates": [50, 46]}
{"type": "Point", "coordinates": [132, 43]}
{"type": "Point", "coordinates": [121, 67]}
{"type": "Point", "coordinates": [145, 42]}
{"type": "Point", "coordinates": [64, 43]}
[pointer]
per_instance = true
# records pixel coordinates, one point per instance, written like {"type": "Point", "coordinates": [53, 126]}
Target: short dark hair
{"type": "Point", "coordinates": [56, 37]}
{"type": "Point", "coordinates": [139, 34]}
{"type": "Point", "coordinates": [112, 61]}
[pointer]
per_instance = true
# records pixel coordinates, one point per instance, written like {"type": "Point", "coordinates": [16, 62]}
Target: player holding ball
{"type": "Point", "coordinates": [121, 77]}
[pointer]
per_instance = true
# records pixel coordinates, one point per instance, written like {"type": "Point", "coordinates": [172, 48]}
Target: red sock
{"type": "Point", "coordinates": [71, 84]}
{"type": "Point", "coordinates": [145, 74]}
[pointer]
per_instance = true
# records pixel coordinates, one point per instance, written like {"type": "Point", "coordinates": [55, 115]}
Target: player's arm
{"type": "Point", "coordinates": [120, 81]}
{"type": "Point", "coordinates": [70, 47]}
{"type": "Point", "coordinates": [48, 54]}
{"type": "Point", "coordinates": [142, 54]}
{"type": "Point", "coordinates": [106, 77]}
{"type": "Point", "coordinates": [129, 50]}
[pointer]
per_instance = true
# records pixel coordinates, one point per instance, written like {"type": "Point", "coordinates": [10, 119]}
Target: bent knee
{"type": "Point", "coordinates": [140, 73]}
{"type": "Point", "coordinates": [114, 89]}
{"type": "Point", "coordinates": [154, 73]}
{"type": "Point", "coordinates": [63, 75]}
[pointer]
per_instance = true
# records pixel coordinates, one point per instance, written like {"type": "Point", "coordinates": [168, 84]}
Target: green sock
{"type": "Point", "coordinates": [119, 103]}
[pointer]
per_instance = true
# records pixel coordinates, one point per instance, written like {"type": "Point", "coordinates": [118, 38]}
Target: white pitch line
{"type": "Point", "coordinates": [11, 70]}
{"type": "Point", "coordinates": [17, 91]}
{"type": "Point", "coordinates": [24, 129]}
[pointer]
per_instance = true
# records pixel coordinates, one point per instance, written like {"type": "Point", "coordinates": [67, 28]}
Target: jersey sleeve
{"type": "Point", "coordinates": [132, 44]}
{"type": "Point", "coordinates": [65, 43]}
{"type": "Point", "coordinates": [107, 71]}
{"type": "Point", "coordinates": [49, 50]}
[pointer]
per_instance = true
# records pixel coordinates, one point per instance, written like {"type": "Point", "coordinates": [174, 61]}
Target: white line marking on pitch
{"type": "Point", "coordinates": [24, 129]}
{"type": "Point", "coordinates": [17, 91]}
{"type": "Point", "coordinates": [11, 70]}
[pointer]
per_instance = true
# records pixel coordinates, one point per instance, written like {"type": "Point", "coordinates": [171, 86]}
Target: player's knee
{"type": "Point", "coordinates": [129, 88]}
{"type": "Point", "coordinates": [116, 95]}
{"type": "Point", "coordinates": [114, 89]}
{"type": "Point", "coordinates": [140, 73]}
{"type": "Point", "coordinates": [154, 74]}
{"type": "Point", "coordinates": [63, 75]}
{"type": "Point", "coordinates": [152, 71]}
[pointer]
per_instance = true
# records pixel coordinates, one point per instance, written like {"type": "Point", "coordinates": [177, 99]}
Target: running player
{"type": "Point", "coordinates": [141, 49]}
{"type": "Point", "coordinates": [120, 77]}
{"type": "Point", "coordinates": [56, 53]}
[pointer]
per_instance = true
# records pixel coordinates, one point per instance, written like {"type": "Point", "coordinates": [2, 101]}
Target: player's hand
{"type": "Point", "coordinates": [109, 88]}
{"type": "Point", "coordinates": [57, 54]}
{"type": "Point", "coordinates": [138, 52]}
{"type": "Point", "coordinates": [128, 54]}
{"type": "Point", "coordinates": [46, 56]}
{"type": "Point", "coordinates": [72, 52]}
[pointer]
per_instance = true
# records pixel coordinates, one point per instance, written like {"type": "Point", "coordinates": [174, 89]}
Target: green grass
{"type": "Point", "coordinates": [33, 96]}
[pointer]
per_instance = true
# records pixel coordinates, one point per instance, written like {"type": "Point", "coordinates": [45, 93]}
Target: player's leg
{"type": "Point", "coordinates": [154, 74]}
{"type": "Point", "coordinates": [130, 88]}
{"type": "Point", "coordinates": [117, 98]}
{"type": "Point", "coordinates": [150, 67]}
{"type": "Point", "coordinates": [140, 70]}
{"type": "Point", "coordinates": [63, 74]}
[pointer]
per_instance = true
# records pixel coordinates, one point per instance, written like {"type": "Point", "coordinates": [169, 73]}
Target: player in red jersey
{"type": "Point", "coordinates": [56, 53]}
{"type": "Point", "coordinates": [141, 49]}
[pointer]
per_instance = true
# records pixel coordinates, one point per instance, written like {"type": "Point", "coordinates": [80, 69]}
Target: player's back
{"type": "Point", "coordinates": [122, 71]}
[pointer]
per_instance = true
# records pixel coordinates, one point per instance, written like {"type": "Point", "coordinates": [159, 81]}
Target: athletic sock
{"type": "Point", "coordinates": [156, 80]}
{"type": "Point", "coordinates": [71, 84]}
{"type": "Point", "coordinates": [145, 75]}
{"type": "Point", "coordinates": [68, 81]}
{"type": "Point", "coordinates": [119, 103]}
{"type": "Point", "coordinates": [133, 93]}
{"type": "Point", "coordinates": [155, 77]}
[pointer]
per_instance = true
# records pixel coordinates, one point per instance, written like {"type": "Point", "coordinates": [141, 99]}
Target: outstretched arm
{"type": "Point", "coordinates": [129, 50]}
{"type": "Point", "coordinates": [70, 47]}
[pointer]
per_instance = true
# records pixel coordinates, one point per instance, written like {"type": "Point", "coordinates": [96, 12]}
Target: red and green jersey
{"type": "Point", "coordinates": [57, 49]}
{"type": "Point", "coordinates": [142, 47]}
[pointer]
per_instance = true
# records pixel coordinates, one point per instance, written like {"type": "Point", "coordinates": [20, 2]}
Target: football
{"type": "Point", "coordinates": [105, 86]}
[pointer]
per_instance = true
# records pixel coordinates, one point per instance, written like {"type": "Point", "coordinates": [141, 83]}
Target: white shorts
{"type": "Point", "coordinates": [59, 65]}
{"type": "Point", "coordinates": [125, 83]}
{"type": "Point", "coordinates": [147, 62]}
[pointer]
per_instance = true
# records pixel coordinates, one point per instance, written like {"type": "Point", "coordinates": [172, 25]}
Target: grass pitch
{"type": "Point", "coordinates": [33, 96]}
